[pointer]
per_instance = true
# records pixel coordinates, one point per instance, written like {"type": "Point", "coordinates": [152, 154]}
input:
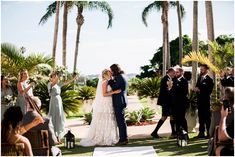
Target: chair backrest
{"type": "Point", "coordinates": [39, 140]}
{"type": "Point", "coordinates": [12, 149]}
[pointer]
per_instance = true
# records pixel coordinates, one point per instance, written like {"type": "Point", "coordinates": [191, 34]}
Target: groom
{"type": "Point", "coordinates": [119, 101]}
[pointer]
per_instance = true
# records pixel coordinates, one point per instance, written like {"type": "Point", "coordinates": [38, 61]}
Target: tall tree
{"type": "Point", "coordinates": [81, 5]}
{"type": "Point", "coordinates": [195, 41]}
{"type": "Point", "coordinates": [64, 33]}
{"type": "Point", "coordinates": [164, 6]}
{"type": "Point", "coordinates": [180, 14]}
{"type": "Point", "coordinates": [56, 27]}
{"type": "Point", "coordinates": [51, 9]}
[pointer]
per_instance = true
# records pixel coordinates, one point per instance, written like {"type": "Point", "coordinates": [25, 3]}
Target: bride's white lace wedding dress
{"type": "Point", "coordinates": [103, 127]}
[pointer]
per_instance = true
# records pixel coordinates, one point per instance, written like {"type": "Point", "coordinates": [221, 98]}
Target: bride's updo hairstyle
{"type": "Point", "coordinates": [105, 72]}
{"type": "Point", "coordinates": [116, 70]}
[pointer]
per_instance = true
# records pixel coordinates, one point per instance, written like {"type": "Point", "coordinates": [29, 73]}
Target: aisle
{"type": "Point", "coordinates": [146, 151]}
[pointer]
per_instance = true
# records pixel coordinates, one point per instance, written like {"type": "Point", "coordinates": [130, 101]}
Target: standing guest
{"type": "Point", "coordinates": [6, 94]}
{"type": "Point", "coordinates": [56, 111]}
{"type": "Point", "coordinates": [25, 88]}
{"type": "Point", "coordinates": [180, 100]}
{"type": "Point", "coordinates": [164, 100]}
{"type": "Point", "coordinates": [204, 87]}
{"type": "Point", "coordinates": [227, 78]}
{"type": "Point", "coordinates": [11, 131]}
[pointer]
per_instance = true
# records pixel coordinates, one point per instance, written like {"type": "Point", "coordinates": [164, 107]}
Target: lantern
{"type": "Point", "coordinates": [69, 140]}
{"type": "Point", "coordinates": [182, 139]}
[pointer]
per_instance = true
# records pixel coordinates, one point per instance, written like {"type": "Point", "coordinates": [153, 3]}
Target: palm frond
{"type": "Point", "coordinates": [199, 57]}
{"type": "Point", "coordinates": [155, 5]}
{"type": "Point", "coordinates": [104, 7]}
{"type": "Point", "coordinates": [51, 9]}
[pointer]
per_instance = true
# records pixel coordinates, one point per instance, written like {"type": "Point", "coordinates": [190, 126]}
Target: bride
{"type": "Point", "coordinates": [103, 128]}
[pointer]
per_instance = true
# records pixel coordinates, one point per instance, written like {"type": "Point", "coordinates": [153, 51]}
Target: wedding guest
{"type": "Point", "coordinates": [25, 88]}
{"type": "Point", "coordinates": [11, 130]}
{"type": "Point", "coordinates": [226, 131]}
{"type": "Point", "coordinates": [227, 77]}
{"type": "Point", "coordinates": [47, 125]}
{"type": "Point", "coordinates": [180, 100]}
{"type": "Point", "coordinates": [204, 87]}
{"type": "Point", "coordinates": [165, 100]}
{"type": "Point", "coordinates": [56, 111]}
{"type": "Point", "coordinates": [6, 95]}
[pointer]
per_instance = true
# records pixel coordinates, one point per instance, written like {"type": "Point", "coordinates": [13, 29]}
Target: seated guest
{"type": "Point", "coordinates": [227, 78]}
{"type": "Point", "coordinates": [6, 95]}
{"type": "Point", "coordinates": [226, 132]}
{"type": "Point", "coordinates": [11, 131]}
{"type": "Point", "coordinates": [47, 125]}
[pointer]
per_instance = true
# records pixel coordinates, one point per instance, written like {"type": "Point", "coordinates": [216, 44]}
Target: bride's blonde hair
{"type": "Point", "coordinates": [105, 72]}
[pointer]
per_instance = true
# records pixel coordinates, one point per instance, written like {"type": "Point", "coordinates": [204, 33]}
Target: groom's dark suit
{"type": "Point", "coordinates": [119, 104]}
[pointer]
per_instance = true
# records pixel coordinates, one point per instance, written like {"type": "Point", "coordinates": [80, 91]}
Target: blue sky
{"type": "Point", "coordinates": [128, 43]}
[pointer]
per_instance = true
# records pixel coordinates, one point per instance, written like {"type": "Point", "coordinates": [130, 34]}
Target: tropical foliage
{"type": "Point", "coordinates": [86, 92]}
{"type": "Point", "coordinates": [92, 82]}
{"type": "Point", "coordinates": [142, 115]}
{"type": "Point", "coordinates": [199, 57]}
{"type": "Point", "coordinates": [147, 87]}
{"type": "Point", "coordinates": [12, 61]}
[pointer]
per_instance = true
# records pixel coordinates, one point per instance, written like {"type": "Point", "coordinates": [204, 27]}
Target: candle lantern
{"type": "Point", "coordinates": [69, 140]}
{"type": "Point", "coordinates": [182, 139]}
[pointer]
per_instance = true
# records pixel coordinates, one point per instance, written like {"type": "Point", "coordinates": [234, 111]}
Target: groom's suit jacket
{"type": "Point", "coordinates": [120, 99]}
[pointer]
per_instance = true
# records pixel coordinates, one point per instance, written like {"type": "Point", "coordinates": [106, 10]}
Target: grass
{"type": "Point", "coordinates": [163, 147]}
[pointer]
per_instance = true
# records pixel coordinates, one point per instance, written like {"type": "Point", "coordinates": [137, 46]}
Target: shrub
{"type": "Point", "coordinates": [147, 113]}
{"type": "Point", "coordinates": [88, 117]}
{"type": "Point", "coordinates": [86, 93]}
{"type": "Point", "coordinates": [148, 87]}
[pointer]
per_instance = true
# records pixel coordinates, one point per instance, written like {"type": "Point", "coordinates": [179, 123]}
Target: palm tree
{"type": "Point", "coordinates": [180, 14]}
{"type": "Point", "coordinates": [195, 41]}
{"type": "Point", "coordinates": [64, 33]}
{"type": "Point", "coordinates": [164, 5]}
{"type": "Point", "coordinates": [103, 6]}
{"type": "Point", "coordinates": [12, 61]}
{"type": "Point", "coordinates": [54, 7]}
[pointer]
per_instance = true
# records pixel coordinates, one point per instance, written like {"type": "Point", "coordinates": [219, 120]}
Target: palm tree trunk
{"type": "Point", "coordinates": [56, 27]}
{"type": "Point", "coordinates": [165, 36]}
{"type": "Point", "coordinates": [195, 41]}
{"type": "Point", "coordinates": [168, 63]}
{"type": "Point", "coordinates": [80, 21]}
{"type": "Point", "coordinates": [180, 33]}
{"type": "Point", "coordinates": [211, 36]}
{"type": "Point", "coordinates": [64, 39]}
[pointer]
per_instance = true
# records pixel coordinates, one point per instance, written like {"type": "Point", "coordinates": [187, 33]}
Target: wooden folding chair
{"type": "Point", "coordinates": [39, 140]}
{"type": "Point", "coordinates": [12, 149]}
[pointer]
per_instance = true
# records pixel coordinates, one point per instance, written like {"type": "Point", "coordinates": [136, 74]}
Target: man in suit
{"type": "Point", "coordinates": [164, 100]}
{"type": "Point", "coordinates": [204, 87]}
{"type": "Point", "coordinates": [180, 100]}
{"type": "Point", "coordinates": [119, 101]}
{"type": "Point", "coordinates": [47, 125]}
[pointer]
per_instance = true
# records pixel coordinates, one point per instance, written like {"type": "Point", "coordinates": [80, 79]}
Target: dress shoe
{"type": "Point", "coordinates": [155, 135]}
{"type": "Point", "coordinates": [122, 143]}
{"type": "Point", "coordinates": [200, 135]}
{"type": "Point", "coordinates": [173, 136]}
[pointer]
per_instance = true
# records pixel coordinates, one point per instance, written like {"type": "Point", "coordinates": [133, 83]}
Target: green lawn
{"type": "Point", "coordinates": [163, 147]}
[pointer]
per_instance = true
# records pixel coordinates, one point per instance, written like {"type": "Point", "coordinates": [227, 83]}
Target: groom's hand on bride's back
{"type": "Point", "coordinates": [117, 91]}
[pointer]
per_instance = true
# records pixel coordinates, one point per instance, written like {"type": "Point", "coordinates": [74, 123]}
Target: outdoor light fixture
{"type": "Point", "coordinates": [69, 140]}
